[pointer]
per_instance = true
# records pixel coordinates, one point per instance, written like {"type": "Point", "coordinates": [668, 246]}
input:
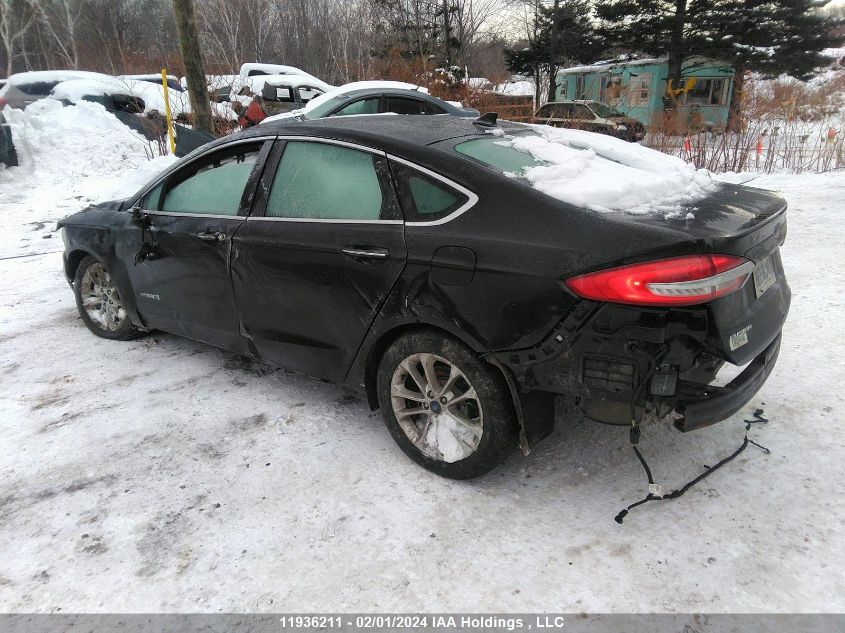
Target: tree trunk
{"type": "Point", "coordinates": [189, 46]}
{"type": "Point", "coordinates": [735, 119]}
{"type": "Point", "coordinates": [447, 42]}
{"type": "Point", "coordinates": [676, 53]}
{"type": "Point", "coordinates": [553, 54]}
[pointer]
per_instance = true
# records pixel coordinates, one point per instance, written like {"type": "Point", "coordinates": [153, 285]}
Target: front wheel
{"type": "Point", "coordinates": [447, 409]}
{"type": "Point", "coordinates": [99, 303]}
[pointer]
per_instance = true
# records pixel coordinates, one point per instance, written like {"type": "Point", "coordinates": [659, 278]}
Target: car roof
{"type": "Point", "coordinates": [34, 76]}
{"type": "Point", "coordinates": [383, 130]}
{"type": "Point", "coordinates": [392, 92]}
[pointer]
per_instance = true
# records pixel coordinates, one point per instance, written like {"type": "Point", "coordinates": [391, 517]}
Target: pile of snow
{"type": "Point", "coordinates": [515, 88]}
{"type": "Point", "coordinates": [350, 87]}
{"type": "Point", "coordinates": [69, 157]}
{"type": "Point", "coordinates": [606, 174]}
{"type": "Point", "coordinates": [151, 94]}
{"type": "Point", "coordinates": [76, 142]}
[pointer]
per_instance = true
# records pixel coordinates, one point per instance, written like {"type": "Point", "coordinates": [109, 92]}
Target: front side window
{"type": "Point", "coordinates": [424, 198]}
{"type": "Point", "coordinates": [324, 181]}
{"type": "Point", "coordinates": [211, 186]}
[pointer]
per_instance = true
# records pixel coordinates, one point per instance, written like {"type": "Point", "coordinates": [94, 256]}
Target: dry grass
{"type": "Point", "coordinates": [787, 126]}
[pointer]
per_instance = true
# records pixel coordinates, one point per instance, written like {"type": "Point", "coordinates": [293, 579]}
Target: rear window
{"type": "Point", "coordinates": [494, 153]}
{"type": "Point", "coordinates": [37, 88]}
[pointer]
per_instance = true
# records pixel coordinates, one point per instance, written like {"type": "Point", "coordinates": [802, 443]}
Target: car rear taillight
{"type": "Point", "coordinates": [3, 102]}
{"type": "Point", "coordinates": [679, 281]}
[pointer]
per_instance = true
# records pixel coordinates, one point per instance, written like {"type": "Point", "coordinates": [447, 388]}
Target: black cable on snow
{"type": "Point", "coordinates": [709, 470]}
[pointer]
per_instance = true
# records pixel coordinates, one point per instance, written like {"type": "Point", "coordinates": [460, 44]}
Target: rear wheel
{"type": "Point", "coordinates": [99, 303]}
{"type": "Point", "coordinates": [447, 409]}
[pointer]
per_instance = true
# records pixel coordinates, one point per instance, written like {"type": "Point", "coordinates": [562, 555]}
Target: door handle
{"type": "Point", "coordinates": [209, 236]}
{"type": "Point", "coordinates": [369, 252]}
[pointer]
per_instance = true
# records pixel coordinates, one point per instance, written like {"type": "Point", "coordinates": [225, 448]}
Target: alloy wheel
{"type": "Point", "coordinates": [437, 407]}
{"type": "Point", "coordinates": [100, 299]}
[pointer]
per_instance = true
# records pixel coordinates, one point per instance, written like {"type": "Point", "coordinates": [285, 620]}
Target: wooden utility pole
{"type": "Point", "coordinates": [189, 47]}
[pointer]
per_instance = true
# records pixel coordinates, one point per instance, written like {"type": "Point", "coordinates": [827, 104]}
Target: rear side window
{"type": "Point", "coordinates": [363, 106]}
{"type": "Point", "coordinates": [423, 197]}
{"type": "Point", "coordinates": [497, 154]}
{"type": "Point", "coordinates": [212, 186]}
{"type": "Point", "coordinates": [400, 105]}
{"type": "Point", "coordinates": [324, 181]}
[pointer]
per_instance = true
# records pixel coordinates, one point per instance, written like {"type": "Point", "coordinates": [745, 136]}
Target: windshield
{"type": "Point", "coordinates": [498, 153]}
{"type": "Point", "coordinates": [604, 111]}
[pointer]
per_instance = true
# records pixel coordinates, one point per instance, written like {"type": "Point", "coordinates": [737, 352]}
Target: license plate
{"type": "Point", "coordinates": [764, 276]}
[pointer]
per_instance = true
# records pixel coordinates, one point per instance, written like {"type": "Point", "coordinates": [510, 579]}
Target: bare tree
{"type": "Point", "coordinates": [60, 19]}
{"type": "Point", "coordinates": [16, 18]}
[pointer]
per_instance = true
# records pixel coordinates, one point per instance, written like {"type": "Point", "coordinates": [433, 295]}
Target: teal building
{"type": "Point", "coordinates": [637, 88]}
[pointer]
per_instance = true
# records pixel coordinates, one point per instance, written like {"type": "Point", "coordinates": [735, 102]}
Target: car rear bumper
{"type": "Point", "coordinates": [703, 405]}
{"type": "Point", "coordinates": [620, 362]}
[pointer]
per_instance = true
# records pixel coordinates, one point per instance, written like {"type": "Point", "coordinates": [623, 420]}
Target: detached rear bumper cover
{"type": "Point", "coordinates": [705, 405]}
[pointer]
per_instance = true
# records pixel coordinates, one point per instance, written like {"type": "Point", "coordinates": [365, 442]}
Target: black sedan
{"type": "Point", "coordinates": [378, 100]}
{"type": "Point", "coordinates": [397, 257]}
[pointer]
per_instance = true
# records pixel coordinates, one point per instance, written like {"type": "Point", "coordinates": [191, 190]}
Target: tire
{"type": "Point", "coordinates": [466, 436]}
{"type": "Point", "coordinates": [99, 303]}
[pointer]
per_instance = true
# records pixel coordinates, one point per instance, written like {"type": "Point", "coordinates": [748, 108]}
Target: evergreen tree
{"type": "Point", "coordinates": [769, 38]}
{"type": "Point", "coordinates": [766, 36]}
{"type": "Point", "coordinates": [565, 34]}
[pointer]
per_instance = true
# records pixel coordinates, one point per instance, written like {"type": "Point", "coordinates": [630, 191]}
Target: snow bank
{"type": "Point", "coordinates": [606, 174]}
{"type": "Point", "coordinates": [56, 143]}
{"type": "Point", "coordinates": [70, 157]}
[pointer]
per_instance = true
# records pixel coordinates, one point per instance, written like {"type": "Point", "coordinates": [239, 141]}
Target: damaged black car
{"type": "Point", "coordinates": [405, 259]}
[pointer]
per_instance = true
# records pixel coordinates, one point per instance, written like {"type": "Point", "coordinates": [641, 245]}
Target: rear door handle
{"type": "Point", "coordinates": [209, 236]}
{"type": "Point", "coordinates": [369, 252]}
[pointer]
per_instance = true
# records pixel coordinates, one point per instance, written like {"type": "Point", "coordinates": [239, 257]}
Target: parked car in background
{"type": "Point", "coordinates": [253, 69]}
{"type": "Point", "coordinates": [592, 116]}
{"type": "Point", "coordinates": [376, 97]}
{"type": "Point", "coordinates": [8, 155]}
{"type": "Point", "coordinates": [118, 94]}
{"type": "Point", "coordinates": [280, 93]}
{"type": "Point", "coordinates": [155, 78]}
{"type": "Point", "coordinates": [21, 89]}
{"type": "Point", "coordinates": [411, 260]}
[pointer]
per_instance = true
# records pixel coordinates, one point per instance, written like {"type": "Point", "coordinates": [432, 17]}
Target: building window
{"type": "Point", "coordinates": [639, 89]}
{"type": "Point", "coordinates": [707, 92]}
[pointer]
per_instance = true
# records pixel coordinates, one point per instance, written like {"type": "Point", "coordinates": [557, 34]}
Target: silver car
{"type": "Point", "coordinates": [21, 89]}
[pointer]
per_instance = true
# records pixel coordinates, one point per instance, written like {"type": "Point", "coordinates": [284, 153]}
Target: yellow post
{"type": "Point", "coordinates": [167, 111]}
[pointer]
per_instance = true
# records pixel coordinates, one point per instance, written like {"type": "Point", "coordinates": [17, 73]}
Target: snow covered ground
{"type": "Point", "coordinates": [161, 474]}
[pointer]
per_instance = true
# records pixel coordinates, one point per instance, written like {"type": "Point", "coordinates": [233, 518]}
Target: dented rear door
{"type": "Point", "coordinates": [321, 251]}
